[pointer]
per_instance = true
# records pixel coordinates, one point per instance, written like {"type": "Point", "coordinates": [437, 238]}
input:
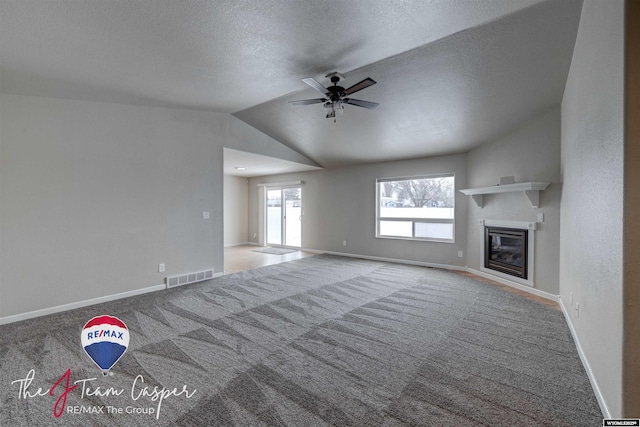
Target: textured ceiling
{"type": "Point", "coordinates": [444, 67]}
{"type": "Point", "coordinates": [444, 97]}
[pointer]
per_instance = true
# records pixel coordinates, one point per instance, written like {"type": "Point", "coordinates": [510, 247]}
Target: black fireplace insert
{"type": "Point", "coordinates": [506, 250]}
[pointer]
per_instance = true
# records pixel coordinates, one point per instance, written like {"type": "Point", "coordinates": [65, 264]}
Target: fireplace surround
{"type": "Point", "coordinates": [514, 244]}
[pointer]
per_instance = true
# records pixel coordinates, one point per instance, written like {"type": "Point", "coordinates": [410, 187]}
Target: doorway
{"type": "Point", "coordinates": [284, 216]}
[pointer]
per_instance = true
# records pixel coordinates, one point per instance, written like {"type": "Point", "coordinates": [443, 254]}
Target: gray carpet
{"type": "Point", "coordinates": [318, 341]}
{"type": "Point", "coordinates": [275, 251]}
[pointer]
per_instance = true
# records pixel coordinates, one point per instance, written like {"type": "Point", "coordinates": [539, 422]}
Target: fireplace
{"type": "Point", "coordinates": [505, 250]}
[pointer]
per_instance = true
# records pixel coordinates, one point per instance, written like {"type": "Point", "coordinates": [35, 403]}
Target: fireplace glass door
{"type": "Point", "coordinates": [506, 250]}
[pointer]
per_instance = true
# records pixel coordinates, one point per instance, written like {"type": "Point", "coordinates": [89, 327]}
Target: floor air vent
{"type": "Point", "coordinates": [185, 279]}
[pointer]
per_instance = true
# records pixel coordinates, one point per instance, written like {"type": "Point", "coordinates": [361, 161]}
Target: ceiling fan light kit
{"type": "Point", "coordinates": [336, 96]}
{"type": "Point", "coordinates": [333, 109]}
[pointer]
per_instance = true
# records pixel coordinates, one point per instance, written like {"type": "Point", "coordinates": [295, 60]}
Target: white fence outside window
{"type": "Point", "coordinates": [416, 208]}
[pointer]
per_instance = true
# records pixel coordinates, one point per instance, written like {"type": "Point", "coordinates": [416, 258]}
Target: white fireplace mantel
{"type": "Point", "coordinates": [531, 190]}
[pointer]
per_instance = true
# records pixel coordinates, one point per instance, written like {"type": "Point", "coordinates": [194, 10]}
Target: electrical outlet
{"type": "Point", "coordinates": [540, 217]}
{"type": "Point", "coordinates": [205, 215]}
{"type": "Point", "coordinates": [161, 268]}
{"type": "Point", "coordinates": [255, 235]}
{"type": "Point", "coordinates": [460, 254]}
{"type": "Point", "coordinates": [344, 243]}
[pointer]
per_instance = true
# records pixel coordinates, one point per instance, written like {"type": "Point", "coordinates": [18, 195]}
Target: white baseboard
{"type": "Point", "coordinates": [231, 245]}
{"type": "Point", "coordinates": [516, 285]}
{"type": "Point", "coordinates": [313, 251]}
{"type": "Point", "coordinates": [384, 259]}
{"type": "Point", "coordinates": [529, 289]}
{"type": "Point", "coordinates": [585, 362]}
{"type": "Point", "coordinates": [79, 304]}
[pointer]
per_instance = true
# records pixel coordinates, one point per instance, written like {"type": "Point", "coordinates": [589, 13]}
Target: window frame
{"type": "Point", "coordinates": [415, 220]}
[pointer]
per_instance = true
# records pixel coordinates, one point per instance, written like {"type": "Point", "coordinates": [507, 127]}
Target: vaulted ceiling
{"type": "Point", "coordinates": [451, 74]}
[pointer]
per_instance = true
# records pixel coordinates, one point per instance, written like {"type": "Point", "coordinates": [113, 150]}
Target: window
{"type": "Point", "coordinates": [416, 208]}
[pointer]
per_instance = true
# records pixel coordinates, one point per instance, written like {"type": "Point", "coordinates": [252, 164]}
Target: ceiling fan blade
{"type": "Point", "coordinates": [359, 86]}
{"type": "Point", "coordinates": [360, 103]}
{"type": "Point", "coordinates": [306, 102]}
{"type": "Point", "coordinates": [314, 84]}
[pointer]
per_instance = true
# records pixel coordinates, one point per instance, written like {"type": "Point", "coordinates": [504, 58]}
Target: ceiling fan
{"type": "Point", "coordinates": [336, 96]}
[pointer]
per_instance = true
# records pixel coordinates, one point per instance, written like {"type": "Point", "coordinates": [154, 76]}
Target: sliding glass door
{"type": "Point", "coordinates": [292, 217]}
{"type": "Point", "coordinates": [284, 216]}
{"type": "Point", "coordinates": [274, 217]}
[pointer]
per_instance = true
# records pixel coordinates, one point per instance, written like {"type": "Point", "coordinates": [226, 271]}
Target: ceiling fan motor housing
{"type": "Point", "coordinates": [336, 96]}
{"type": "Point", "coordinates": [335, 92]}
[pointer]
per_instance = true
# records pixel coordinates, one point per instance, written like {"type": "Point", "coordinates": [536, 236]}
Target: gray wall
{"type": "Point", "coordinates": [591, 230]}
{"type": "Point", "coordinates": [236, 210]}
{"type": "Point", "coordinates": [93, 196]}
{"type": "Point", "coordinates": [339, 204]}
{"type": "Point", "coordinates": [529, 153]}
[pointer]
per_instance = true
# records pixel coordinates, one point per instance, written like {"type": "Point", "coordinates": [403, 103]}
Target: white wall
{"type": "Point", "coordinates": [339, 204]}
{"type": "Point", "coordinates": [529, 153]}
{"type": "Point", "coordinates": [95, 195]}
{"type": "Point", "coordinates": [236, 210]}
{"type": "Point", "coordinates": [591, 232]}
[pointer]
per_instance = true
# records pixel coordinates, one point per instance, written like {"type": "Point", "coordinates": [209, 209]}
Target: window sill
{"type": "Point", "coordinates": [415, 239]}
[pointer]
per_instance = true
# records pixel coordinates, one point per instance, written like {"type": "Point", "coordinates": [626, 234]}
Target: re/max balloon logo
{"type": "Point", "coordinates": [105, 339]}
